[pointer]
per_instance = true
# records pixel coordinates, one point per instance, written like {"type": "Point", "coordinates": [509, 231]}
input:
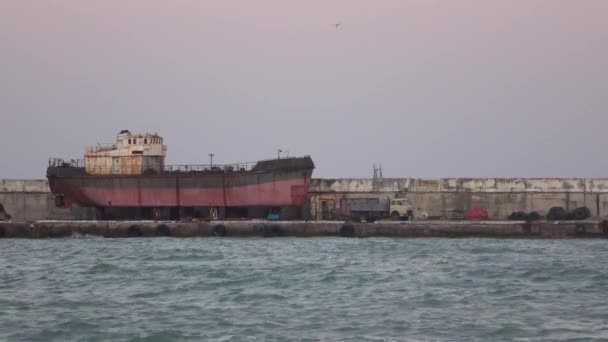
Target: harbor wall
{"type": "Point", "coordinates": [425, 229]}
{"type": "Point", "coordinates": [30, 200]}
{"type": "Point", "coordinates": [499, 196]}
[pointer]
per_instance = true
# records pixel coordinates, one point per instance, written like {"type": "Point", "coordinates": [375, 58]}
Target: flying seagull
{"type": "Point", "coordinates": [337, 24]}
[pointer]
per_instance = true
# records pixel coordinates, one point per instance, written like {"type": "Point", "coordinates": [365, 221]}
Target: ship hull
{"type": "Point", "coordinates": [274, 185]}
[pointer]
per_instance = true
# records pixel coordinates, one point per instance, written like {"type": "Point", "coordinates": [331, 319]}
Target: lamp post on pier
{"type": "Point", "coordinates": [211, 159]}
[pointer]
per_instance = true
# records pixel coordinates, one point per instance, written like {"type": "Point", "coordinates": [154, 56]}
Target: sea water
{"type": "Point", "coordinates": [308, 289]}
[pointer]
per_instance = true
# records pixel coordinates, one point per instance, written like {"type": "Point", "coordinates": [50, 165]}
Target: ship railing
{"type": "Point", "coordinates": [210, 168]}
{"type": "Point", "coordinates": [283, 157]}
{"type": "Point", "coordinates": [58, 162]}
{"type": "Point", "coordinates": [100, 148]}
{"type": "Point", "coordinates": [232, 167]}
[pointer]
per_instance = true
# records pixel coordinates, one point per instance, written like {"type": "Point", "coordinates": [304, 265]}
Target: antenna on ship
{"type": "Point", "coordinates": [279, 153]}
{"type": "Point", "coordinates": [211, 159]}
{"type": "Point", "coordinates": [377, 172]}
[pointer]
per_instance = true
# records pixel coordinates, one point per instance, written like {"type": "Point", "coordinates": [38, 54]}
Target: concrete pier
{"type": "Point", "coordinates": [415, 229]}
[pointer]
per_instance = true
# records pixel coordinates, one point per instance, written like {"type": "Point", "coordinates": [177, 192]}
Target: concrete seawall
{"type": "Point", "coordinates": [30, 200]}
{"type": "Point", "coordinates": [445, 229]}
{"type": "Point", "coordinates": [331, 198]}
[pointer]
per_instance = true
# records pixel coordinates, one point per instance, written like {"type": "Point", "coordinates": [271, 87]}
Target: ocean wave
{"type": "Point", "coordinates": [298, 289]}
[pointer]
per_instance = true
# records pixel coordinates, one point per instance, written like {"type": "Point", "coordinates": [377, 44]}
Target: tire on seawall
{"type": "Point", "coordinates": [272, 230]}
{"type": "Point", "coordinates": [134, 231]}
{"type": "Point", "coordinates": [581, 213]}
{"type": "Point", "coordinates": [277, 230]}
{"type": "Point", "coordinates": [163, 230]}
{"type": "Point", "coordinates": [604, 227]}
{"type": "Point", "coordinates": [556, 214]}
{"type": "Point", "coordinates": [347, 230]}
{"type": "Point", "coordinates": [533, 216]}
{"type": "Point", "coordinates": [219, 230]}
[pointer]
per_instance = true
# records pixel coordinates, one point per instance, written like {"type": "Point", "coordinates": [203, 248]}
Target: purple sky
{"type": "Point", "coordinates": [427, 88]}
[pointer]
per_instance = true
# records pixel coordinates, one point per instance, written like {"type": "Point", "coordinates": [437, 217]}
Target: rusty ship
{"type": "Point", "coordinates": [128, 179]}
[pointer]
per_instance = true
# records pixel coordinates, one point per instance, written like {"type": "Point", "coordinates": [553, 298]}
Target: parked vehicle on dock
{"type": "Point", "coordinates": [374, 209]}
{"type": "Point", "coordinates": [402, 209]}
{"type": "Point", "coordinates": [456, 215]}
{"type": "Point", "coordinates": [368, 209]}
{"type": "Point", "coordinates": [274, 214]}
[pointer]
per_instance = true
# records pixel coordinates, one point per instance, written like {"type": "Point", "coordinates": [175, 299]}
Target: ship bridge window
{"type": "Point", "coordinates": [145, 141]}
{"type": "Point", "coordinates": [129, 141]}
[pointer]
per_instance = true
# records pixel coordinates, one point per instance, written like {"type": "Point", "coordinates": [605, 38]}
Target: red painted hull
{"type": "Point", "coordinates": [272, 185]}
{"type": "Point", "coordinates": [281, 193]}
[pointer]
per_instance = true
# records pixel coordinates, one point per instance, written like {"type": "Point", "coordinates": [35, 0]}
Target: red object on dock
{"type": "Point", "coordinates": [477, 213]}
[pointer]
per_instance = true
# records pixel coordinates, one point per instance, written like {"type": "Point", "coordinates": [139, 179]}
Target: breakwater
{"type": "Point", "coordinates": [413, 229]}
{"type": "Point", "coordinates": [338, 198]}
